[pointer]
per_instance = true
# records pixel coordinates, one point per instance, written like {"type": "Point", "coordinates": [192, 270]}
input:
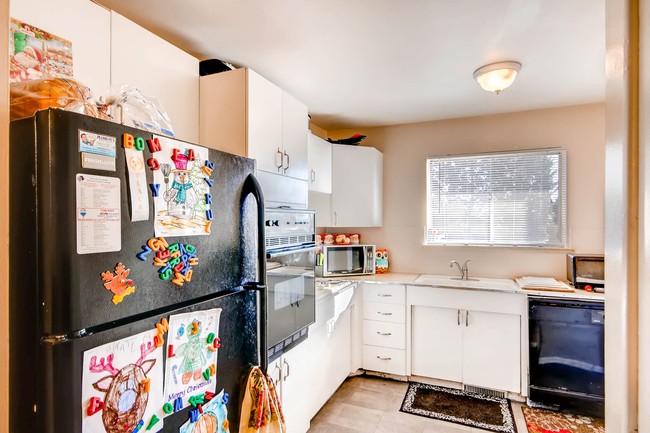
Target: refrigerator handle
{"type": "Point", "coordinates": [252, 186]}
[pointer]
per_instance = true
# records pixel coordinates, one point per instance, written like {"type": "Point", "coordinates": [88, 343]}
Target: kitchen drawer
{"type": "Point", "coordinates": [386, 293]}
{"type": "Point", "coordinates": [383, 312]}
{"type": "Point", "coordinates": [384, 334]}
{"type": "Point", "coordinates": [384, 359]}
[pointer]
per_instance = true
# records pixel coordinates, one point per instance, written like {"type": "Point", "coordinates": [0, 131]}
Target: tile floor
{"type": "Point", "coordinates": [366, 404]}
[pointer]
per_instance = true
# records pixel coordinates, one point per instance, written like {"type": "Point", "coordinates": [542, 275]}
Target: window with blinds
{"type": "Point", "coordinates": [504, 199]}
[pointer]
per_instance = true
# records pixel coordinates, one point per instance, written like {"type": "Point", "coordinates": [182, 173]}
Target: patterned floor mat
{"type": "Point", "coordinates": [546, 421]}
{"type": "Point", "coordinates": [453, 405]}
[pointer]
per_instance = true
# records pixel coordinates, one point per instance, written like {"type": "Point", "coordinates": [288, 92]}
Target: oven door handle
{"type": "Point", "coordinates": [285, 252]}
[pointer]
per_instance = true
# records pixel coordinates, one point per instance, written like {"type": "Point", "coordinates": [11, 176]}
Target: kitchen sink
{"type": "Point", "coordinates": [472, 283]}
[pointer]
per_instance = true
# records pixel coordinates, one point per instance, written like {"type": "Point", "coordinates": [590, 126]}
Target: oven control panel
{"type": "Point", "coordinates": [287, 227]}
{"type": "Point", "coordinates": [282, 223]}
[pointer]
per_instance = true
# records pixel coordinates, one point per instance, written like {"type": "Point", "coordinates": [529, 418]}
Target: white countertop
{"type": "Point", "coordinates": [335, 286]}
{"type": "Point", "coordinates": [391, 277]}
{"type": "Point", "coordinates": [409, 279]}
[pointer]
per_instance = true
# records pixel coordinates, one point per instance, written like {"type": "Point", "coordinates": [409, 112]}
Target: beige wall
{"type": "Point", "coordinates": [579, 129]}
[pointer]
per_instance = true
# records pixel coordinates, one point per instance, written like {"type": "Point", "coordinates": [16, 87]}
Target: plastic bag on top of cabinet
{"type": "Point", "coordinates": [133, 108]}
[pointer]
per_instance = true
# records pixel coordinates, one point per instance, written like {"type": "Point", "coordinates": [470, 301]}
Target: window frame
{"type": "Point", "coordinates": [563, 244]}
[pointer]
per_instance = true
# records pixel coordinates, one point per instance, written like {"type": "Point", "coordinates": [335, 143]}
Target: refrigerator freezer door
{"type": "Point", "coordinates": [64, 290]}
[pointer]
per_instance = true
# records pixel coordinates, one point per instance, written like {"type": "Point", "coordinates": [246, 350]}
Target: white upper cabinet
{"type": "Point", "coordinates": [110, 50]}
{"type": "Point", "coordinates": [277, 129]}
{"type": "Point", "coordinates": [295, 127]}
{"type": "Point", "coordinates": [320, 164]}
{"type": "Point", "coordinates": [357, 186]}
{"type": "Point", "coordinates": [264, 123]}
{"type": "Point", "coordinates": [243, 113]}
{"type": "Point", "coordinates": [90, 45]}
{"type": "Point", "coordinates": [158, 70]}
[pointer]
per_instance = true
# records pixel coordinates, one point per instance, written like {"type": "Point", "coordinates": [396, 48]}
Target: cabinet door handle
{"type": "Point", "coordinates": [336, 219]}
{"type": "Point", "coordinates": [278, 161]}
{"type": "Point", "coordinates": [288, 161]}
{"type": "Point", "coordinates": [313, 176]}
{"type": "Point", "coordinates": [383, 359]}
{"type": "Point", "coordinates": [384, 295]}
{"type": "Point", "coordinates": [277, 367]}
{"type": "Point", "coordinates": [284, 361]}
{"type": "Point", "coordinates": [385, 333]}
{"type": "Point", "coordinates": [384, 314]}
{"type": "Point", "coordinates": [458, 317]}
{"type": "Point", "coordinates": [466, 319]}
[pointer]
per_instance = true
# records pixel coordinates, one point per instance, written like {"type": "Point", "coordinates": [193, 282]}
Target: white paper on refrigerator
{"type": "Point", "coordinates": [191, 363]}
{"type": "Point", "coordinates": [98, 214]}
{"type": "Point", "coordinates": [122, 385]}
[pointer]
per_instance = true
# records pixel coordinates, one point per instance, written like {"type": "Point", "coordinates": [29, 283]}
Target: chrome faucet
{"type": "Point", "coordinates": [464, 273]}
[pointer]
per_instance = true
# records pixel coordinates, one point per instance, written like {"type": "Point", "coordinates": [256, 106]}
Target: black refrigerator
{"type": "Point", "coordinates": [118, 235]}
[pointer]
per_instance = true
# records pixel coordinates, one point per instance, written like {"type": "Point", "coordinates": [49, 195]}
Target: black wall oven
{"type": "Point", "coordinates": [290, 261]}
{"type": "Point", "coordinates": [567, 365]}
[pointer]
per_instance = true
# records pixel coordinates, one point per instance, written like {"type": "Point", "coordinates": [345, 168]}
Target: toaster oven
{"type": "Point", "coordinates": [586, 271]}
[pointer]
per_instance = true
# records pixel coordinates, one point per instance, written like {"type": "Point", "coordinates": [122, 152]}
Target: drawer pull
{"type": "Point", "coordinates": [385, 333]}
{"type": "Point", "coordinates": [383, 295]}
{"type": "Point", "coordinates": [384, 359]}
{"type": "Point", "coordinates": [384, 314]}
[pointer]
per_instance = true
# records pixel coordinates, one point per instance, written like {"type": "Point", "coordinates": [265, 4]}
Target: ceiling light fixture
{"type": "Point", "coordinates": [497, 76]}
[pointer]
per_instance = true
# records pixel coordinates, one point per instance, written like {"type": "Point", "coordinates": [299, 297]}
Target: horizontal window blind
{"type": "Point", "coordinates": [505, 198]}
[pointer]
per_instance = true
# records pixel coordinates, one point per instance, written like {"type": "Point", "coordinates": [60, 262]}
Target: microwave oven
{"type": "Point", "coordinates": [341, 260]}
{"type": "Point", "coordinates": [585, 270]}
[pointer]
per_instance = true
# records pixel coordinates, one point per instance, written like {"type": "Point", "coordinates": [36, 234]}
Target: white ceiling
{"type": "Point", "coordinates": [380, 62]}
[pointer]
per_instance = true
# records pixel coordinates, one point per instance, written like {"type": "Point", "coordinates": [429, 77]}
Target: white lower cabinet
{"type": "Point", "coordinates": [461, 342]}
{"type": "Point", "coordinates": [437, 349]}
{"type": "Point", "coordinates": [465, 336]}
{"type": "Point", "coordinates": [307, 375]}
{"type": "Point", "coordinates": [384, 312]}
{"type": "Point", "coordinates": [331, 361]}
{"type": "Point", "coordinates": [491, 350]}
{"type": "Point", "coordinates": [384, 334]}
{"type": "Point", "coordinates": [384, 328]}
{"type": "Point", "coordinates": [291, 374]}
{"type": "Point", "coordinates": [384, 360]}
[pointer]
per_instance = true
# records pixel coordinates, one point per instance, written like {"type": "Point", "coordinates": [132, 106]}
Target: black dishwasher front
{"type": "Point", "coordinates": [567, 365]}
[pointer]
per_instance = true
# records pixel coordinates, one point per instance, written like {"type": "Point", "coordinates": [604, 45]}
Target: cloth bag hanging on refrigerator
{"type": "Point", "coordinates": [261, 410]}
